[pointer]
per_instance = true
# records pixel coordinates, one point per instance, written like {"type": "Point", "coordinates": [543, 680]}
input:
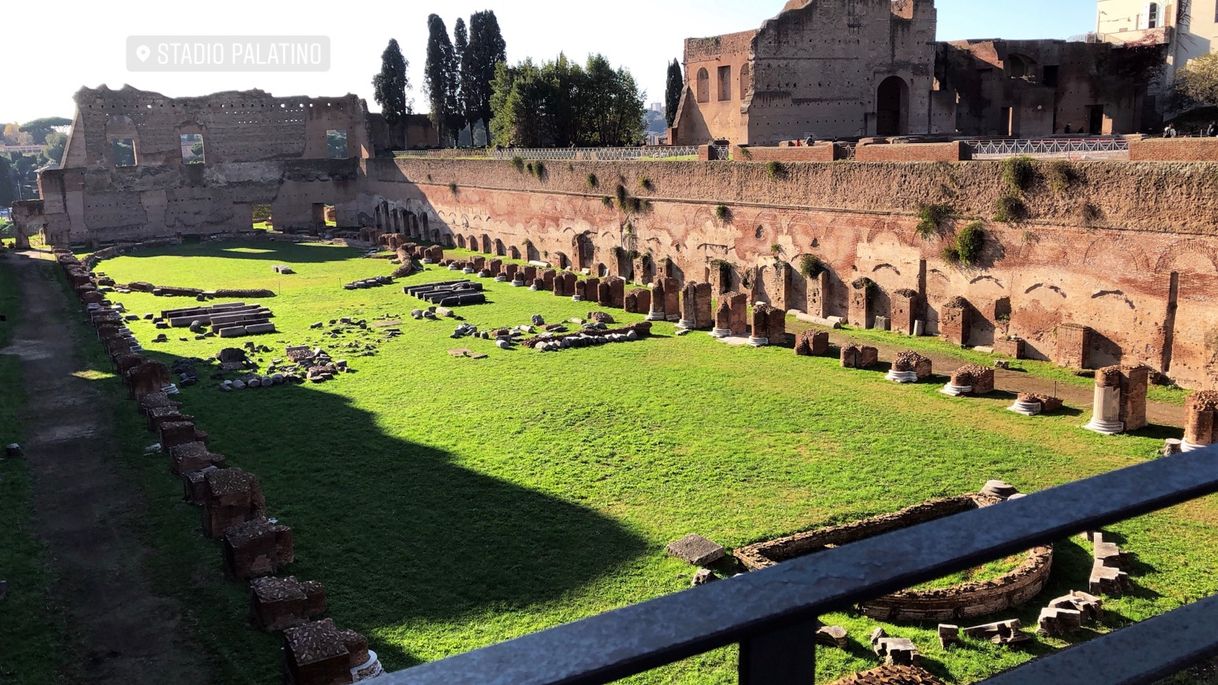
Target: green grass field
{"type": "Point", "coordinates": [452, 503]}
{"type": "Point", "coordinates": [31, 625]}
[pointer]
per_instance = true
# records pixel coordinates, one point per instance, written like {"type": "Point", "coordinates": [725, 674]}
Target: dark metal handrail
{"type": "Point", "coordinates": [771, 613]}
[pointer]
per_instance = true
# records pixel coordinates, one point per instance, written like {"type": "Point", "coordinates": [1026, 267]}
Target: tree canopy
{"type": "Point", "coordinates": [560, 103]}
{"type": "Point", "coordinates": [391, 84]}
{"type": "Point", "coordinates": [1198, 80]}
{"type": "Point", "coordinates": [441, 77]}
{"type": "Point", "coordinates": [486, 50]}
{"type": "Point", "coordinates": [672, 91]}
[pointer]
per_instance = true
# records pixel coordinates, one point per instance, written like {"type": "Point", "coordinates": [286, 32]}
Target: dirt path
{"type": "Point", "coordinates": [1076, 396]}
{"type": "Point", "coordinates": [85, 511]}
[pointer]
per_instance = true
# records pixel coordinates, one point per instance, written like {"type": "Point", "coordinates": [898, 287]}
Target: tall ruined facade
{"type": "Point", "coordinates": [831, 69]}
{"type": "Point", "coordinates": [824, 68]}
{"type": "Point", "coordinates": [139, 164]}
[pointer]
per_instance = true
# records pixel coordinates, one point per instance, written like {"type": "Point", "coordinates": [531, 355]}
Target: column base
{"type": "Point", "coordinates": [903, 376]}
{"type": "Point", "coordinates": [957, 390]}
{"type": "Point", "coordinates": [1026, 408]}
{"type": "Point", "coordinates": [576, 298]}
{"type": "Point", "coordinates": [758, 342]}
{"type": "Point", "coordinates": [656, 316]}
{"type": "Point", "coordinates": [1186, 446]}
{"type": "Point", "coordinates": [1098, 425]}
{"type": "Point", "coordinates": [367, 670]}
{"type": "Point", "coordinates": [721, 332]}
{"type": "Point", "coordinates": [687, 325]}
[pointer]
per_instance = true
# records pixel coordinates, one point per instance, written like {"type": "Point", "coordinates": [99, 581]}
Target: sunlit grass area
{"type": "Point", "coordinates": [450, 503]}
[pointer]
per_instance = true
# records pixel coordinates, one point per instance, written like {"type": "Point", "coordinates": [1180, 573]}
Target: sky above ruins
{"type": "Point", "coordinates": [643, 35]}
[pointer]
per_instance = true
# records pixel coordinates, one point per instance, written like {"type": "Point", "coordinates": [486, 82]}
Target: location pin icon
{"type": "Point", "coordinates": [142, 52]}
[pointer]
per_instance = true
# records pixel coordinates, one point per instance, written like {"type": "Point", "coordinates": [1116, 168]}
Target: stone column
{"type": "Point", "coordinates": [860, 304]}
{"type": "Point", "coordinates": [761, 325]}
{"type": "Point", "coordinates": [723, 318]}
{"type": "Point", "coordinates": [657, 301]}
{"type": "Point", "coordinates": [1106, 409]}
{"type": "Point", "coordinates": [672, 299]}
{"type": "Point", "coordinates": [689, 303]}
{"type": "Point", "coordinates": [904, 311]}
{"type": "Point", "coordinates": [1202, 407]}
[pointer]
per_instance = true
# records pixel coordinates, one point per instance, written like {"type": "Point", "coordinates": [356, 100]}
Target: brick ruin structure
{"type": "Point", "coordinates": [1120, 400]}
{"type": "Point", "coordinates": [784, 81]}
{"type": "Point", "coordinates": [968, 600]}
{"type": "Point", "coordinates": [1201, 427]}
{"type": "Point", "coordinates": [859, 357]}
{"type": "Point", "coordinates": [731, 316]}
{"type": "Point", "coordinates": [1132, 295]}
{"type": "Point", "coordinates": [696, 306]}
{"type": "Point", "coordinates": [972, 380]}
{"type": "Point", "coordinates": [910, 367]}
{"type": "Point", "coordinates": [810, 343]}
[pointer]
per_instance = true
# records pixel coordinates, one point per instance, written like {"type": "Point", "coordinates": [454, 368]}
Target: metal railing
{"type": "Point", "coordinates": [772, 614]}
{"type": "Point", "coordinates": [596, 154]}
{"type": "Point", "coordinates": [1047, 147]}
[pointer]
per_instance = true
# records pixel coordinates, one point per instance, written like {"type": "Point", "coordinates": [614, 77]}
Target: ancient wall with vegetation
{"type": "Point", "coordinates": [1129, 249]}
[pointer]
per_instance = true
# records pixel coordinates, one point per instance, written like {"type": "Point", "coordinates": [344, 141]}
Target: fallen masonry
{"type": "Point", "coordinates": [588, 337]}
{"type": "Point", "coordinates": [696, 550]}
{"type": "Point", "coordinates": [319, 653]}
{"type": "Point", "coordinates": [281, 603]}
{"type": "Point", "coordinates": [448, 293]}
{"type": "Point", "coordinates": [226, 320]}
{"type": "Point", "coordinates": [374, 282]}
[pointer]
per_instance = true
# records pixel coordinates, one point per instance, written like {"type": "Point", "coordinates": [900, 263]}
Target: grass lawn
{"type": "Point", "coordinates": [31, 625]}
{"type": "Point", "coordinates": [452, 503]}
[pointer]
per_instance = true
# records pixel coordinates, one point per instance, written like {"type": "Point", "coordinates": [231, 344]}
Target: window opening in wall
{"type": "Point", "coordinates": [192, 148]}
{"type": "Point", "coordinates": [260, 216]}
{"type": "Point", "coordinates": [703, 85]}
{"type": "Point", "coordinates": [725, 83]}
{"type": "Point", "coordinates": [1051, 75]}
{"type": "Point", "coordinates": [124, 152]}
{"type": "Point", "coordinates": [336, 144]}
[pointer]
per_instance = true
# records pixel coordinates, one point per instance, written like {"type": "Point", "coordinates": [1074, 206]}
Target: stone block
{"type": "Point", "coordinates": [258, 547]}
{"type": "Point", "coordinates": [1012, 348]}
{"type": "Point", "coordinates": [696, 550]}
{"type": "Point", "coordinates": [1106, 580]}
{"type": "Point", "coordinates": [192, 456]}
{"type": "Point", "coordinates": [948, 635]}
{"type": "Point", "coordinates": [230, 497]}
{"type": "Point", "coordinates": [280, 603]}
{"type": "Point", "coordinates": [832, 636]}
{"type": "Point", "coordinates": [810, 343]}
{"type": "Point", "coordinates": [175, 433]}
{"type": "Point", "coordinates": [1058, 622]}
{"type": "Point", "coordinates": [316, 654]}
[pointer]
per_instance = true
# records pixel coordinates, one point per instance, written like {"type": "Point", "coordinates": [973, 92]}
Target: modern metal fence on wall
{"type": "Point", "coordinates": [596, 154]}
{"type": "Point", "coordinates": [772, 614]}
{"type": "Point", "coordinates": [1047, 147]}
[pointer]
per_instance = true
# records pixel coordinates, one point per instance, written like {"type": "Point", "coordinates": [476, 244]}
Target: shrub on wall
{"type": "Point", "coordinates": [647, 184]}
{"type": "Point", "coordinates": [966, 249]}
{"type": "Point", "coordinates": [1018, 173]}
{"type": "Point", "coordinates": [865, 284]}
{"type": "Point", "coordinates": [931, 219]}
{"type": "Point", "coordinates": [593, 181]}
{"type": "Point", "coordinates": [1060, 175]}
{"type": "Point", "coordinates": [811, 266]}
{"type": "Point", "coordinates": [777, 170]}
{"type": "Point", "coordinates": [518, 162]}
{"type": "Point", "coordinates": [1009, 208]}
{"type": "Point", "coordinates": [453, 187]}
{"type": "Point", "coordinates": [723, 213]}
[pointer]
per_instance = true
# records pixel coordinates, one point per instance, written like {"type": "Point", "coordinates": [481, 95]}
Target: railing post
{"type": "Point", "coordinates": [786, 656]}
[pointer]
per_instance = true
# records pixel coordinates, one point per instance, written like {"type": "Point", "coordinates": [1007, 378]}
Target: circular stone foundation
{"type": "Point", "coordinates": [965, 601]}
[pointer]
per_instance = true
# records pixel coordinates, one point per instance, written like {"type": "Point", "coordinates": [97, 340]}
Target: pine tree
{"type": "Point", "coordinates": [391, 84]}
{"type": "Point", "coordinates": [486, 50]}
{"type": "Point", "coordinates": [460, 48]}
{"type": "Point", "coordinates": [672, 92]}
{"type": "Point", "coordinates": [440, 77]}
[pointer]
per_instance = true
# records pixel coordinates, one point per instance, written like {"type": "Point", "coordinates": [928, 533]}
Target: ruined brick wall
{"type": "Point", "coordinates": [818, 68]}
{"type": "Point", "coordinates": [815, 69]}
{"type": "Point", "coordinates": [1028, 88]}
{"type": "Point", "coordinates": [1137, 266]}
{"type": "Point", "coordinates": [258, 149]}
{"type": "Point", "coordinates": [713, 109]}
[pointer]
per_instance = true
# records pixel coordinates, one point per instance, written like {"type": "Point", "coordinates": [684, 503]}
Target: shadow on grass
{"type": "Point", "coordinates": [399, 532]}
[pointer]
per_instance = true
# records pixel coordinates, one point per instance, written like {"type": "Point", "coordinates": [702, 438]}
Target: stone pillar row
{"type": "Point", "coordinates": [254, 546]}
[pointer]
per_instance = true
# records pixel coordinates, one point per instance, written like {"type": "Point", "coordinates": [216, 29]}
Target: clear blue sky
{"type": "Point", "coordinates": [643, 35]}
